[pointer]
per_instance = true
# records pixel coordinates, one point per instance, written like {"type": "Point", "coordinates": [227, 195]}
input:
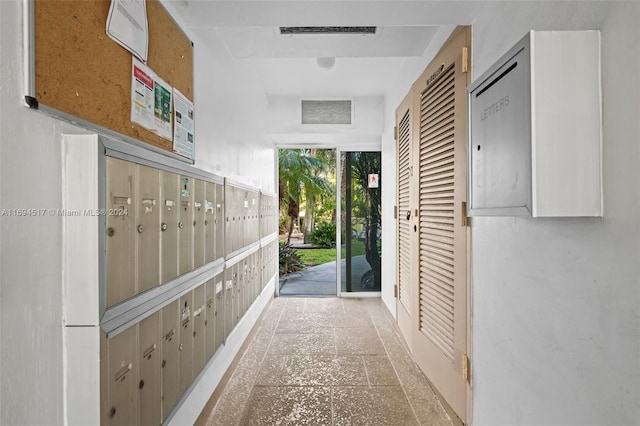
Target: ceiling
{"type": "Point", "coordinates": [288, 65]}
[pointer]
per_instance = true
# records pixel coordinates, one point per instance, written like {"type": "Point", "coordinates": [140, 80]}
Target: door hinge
{"type": "Point", "coordinates": [395, 132]}
{"type": "Point", "coordinates": [395, 212]}
{"type": "Point", "coordinates": [466, 368]}
{"type": "Point", "coordinates": [395, 291]}
{"type": "Point", "coordinates": [465, 219]}
{"type": "Point", "coordinates": [465, 59]}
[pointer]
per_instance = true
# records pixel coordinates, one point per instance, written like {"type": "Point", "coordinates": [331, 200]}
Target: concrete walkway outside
{"type": "Point", "coordinates": [320, 280]}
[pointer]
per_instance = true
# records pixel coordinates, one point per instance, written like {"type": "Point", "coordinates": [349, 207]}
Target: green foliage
{"type": "Point", "coordinates": [324, 235]}
{"type": "Point", "coordinates": [289, 259]}
{"type": "Point", "coordinates": [303, 183]}
{"type": "Point", "coordinates": [357, 249]}
{"type": "Point", "coordinates": [318, 256]}
{"type": "Point", "coordinates": [301, 174]}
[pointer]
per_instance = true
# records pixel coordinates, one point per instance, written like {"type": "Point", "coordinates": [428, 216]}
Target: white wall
{"type": "Point", "coordinates": [284, 123]}
{"type": "Point", "coordinates": [231, 108]}
{"type": "Point", "coordinates": [556, 302]}
{"type": "Point", "coordinates": [30, 248]}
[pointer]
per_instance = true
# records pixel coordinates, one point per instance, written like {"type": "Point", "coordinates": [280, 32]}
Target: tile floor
{"type": "Point", "coordinates": [326, 361]}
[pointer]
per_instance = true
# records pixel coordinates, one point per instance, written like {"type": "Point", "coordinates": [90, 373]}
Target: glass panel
{"type": "Point", "coordinates": [361, 221]}
{"type": "Point", "coordinates": [307, 186]}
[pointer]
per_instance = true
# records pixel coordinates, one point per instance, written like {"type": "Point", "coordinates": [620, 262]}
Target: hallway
{"type": "Point", "coordinates": [325, 361]}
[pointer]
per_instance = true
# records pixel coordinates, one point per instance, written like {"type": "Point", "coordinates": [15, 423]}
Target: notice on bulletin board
{"type": "Point", "coordinates": [151, 100]}
{"type": "Point", "coordinates": [127, 25]}
{"type": "Point", "coordinates": [183, 133]}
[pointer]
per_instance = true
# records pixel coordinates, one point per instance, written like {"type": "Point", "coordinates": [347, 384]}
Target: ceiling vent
{"type": "Point", "coordinates": [327, 30]}
{"type": "Point", "coordinates": [326, 112]}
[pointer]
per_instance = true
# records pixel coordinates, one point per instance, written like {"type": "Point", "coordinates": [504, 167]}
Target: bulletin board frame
{"type": "Point", "coordinates": [75, 72]}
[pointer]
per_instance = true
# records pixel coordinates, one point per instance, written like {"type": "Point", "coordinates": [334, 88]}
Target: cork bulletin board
{"type": "Point", "coordinates": [82, 72]}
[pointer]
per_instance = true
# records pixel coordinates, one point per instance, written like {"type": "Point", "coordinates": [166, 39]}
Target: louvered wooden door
{"type": "Point", "coordinates": [440, 300]}
{"type": "Point", "coordinates": [405, 219]}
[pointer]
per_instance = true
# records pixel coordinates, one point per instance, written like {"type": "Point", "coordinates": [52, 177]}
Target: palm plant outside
{"type": "Point", "coordinates": [302, 178]}
{"type": "Point", "coordinates": [368, 201]}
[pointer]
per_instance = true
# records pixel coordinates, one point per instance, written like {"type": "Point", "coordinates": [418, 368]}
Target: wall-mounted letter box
{"type": "Point", "coordinates": [535, 129]}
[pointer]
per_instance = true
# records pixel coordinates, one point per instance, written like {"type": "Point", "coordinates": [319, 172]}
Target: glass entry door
{"type": "Point", "coordinates": [361, 224]}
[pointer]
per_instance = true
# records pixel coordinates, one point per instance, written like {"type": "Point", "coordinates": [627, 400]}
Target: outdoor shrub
{"type": "Point", "coordinates": [324, 235]}
{"type": "Point", "coordinates": [289, 259]}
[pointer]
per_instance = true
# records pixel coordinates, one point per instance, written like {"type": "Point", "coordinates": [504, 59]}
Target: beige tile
{"type": "Point", "coordinates": [289, 406]}
{"type": "Point", "coordinates": [298, 323]}
{"type": "Point", "coordinates": [228, 410]}
{"type": "Point", "coordinates": [380, 371]}
{"type": "Point", "coordinates": [260, 344]}
{"type": "Point", "coordinates": [360, 306]}
{"type": "Point", "coordinates": [339, 320]}
{"type": "Point", "coordinates": [358, 341]}
{"type": "Point", "coordinates": [278, 301]}
{"type": "Point", "coordinates": [303, 344]}
{"type": "Point", "coordinates": [355, 319]}
{"type": "Point", "coordinates": [429, 411]}
{"type": "Point", "coordinates": [248, 367]}
{"type": "Point", "coordinates": [348, 371]}
{"type": "Point", "coordinates": [384, 405]}
{"type": "Point", "coordinates": [293, 304]}
{"type": "Point", "coordinates": [323, 319]}
{"type": "Point", "coordinates": [324, 304]}
{"type": "Point", "coordinates": [312, 370]}
{"type": "Point", "coordinates": [268, 325]}
{"type": "Point", "coordinates": [295, 370]}
{"type": "Point", "coordinates": [308, 354]}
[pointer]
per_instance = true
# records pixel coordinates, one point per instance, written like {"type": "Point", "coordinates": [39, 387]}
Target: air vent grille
{"type": "Point", "coordinates": [326, 112]}
{"type": "Point", "coordinates": [327, 30]}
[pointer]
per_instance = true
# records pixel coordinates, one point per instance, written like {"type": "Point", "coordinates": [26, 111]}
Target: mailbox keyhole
{"type": "Point", "coordinates": [478, 147]}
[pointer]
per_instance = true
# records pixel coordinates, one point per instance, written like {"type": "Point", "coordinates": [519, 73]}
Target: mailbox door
{"type": "Point", "coordinates": [230, 218]}
{"type": "Point", "coordinates": [170, 368]}
{"type": "Point", "coordinates": [199, 329]}
{"type": "Point", "coordinates": [185, 225]}
{"type": "Point", "coordinates": [209, 222]}
{"type": "Point", "coordinates": [220, 314]}
{"type": "Point", "coordinates": [210, 318]}
{"type": "Point", "coordinates": [500, 152]}
{"type": "Point", "coordinates": [238, 303]}
{"type": "Point", "coordinates": [186, 341]}
{"type": "Point", "coordinates": [122, 377]}
{"type": "Point", "coordinates": [219, 221]}
{"type": "Point", "coordinates": [149, 356]}
{"type": "Point", "coordinates": [229, 311]}
{"type": "Point", "coordinates": [199, 228]}
{"type": "Point", "coordinates": [169, 210]}
{"type": "Point", "coordinates": [120, 240]}
{"type": "Point", "coordinates": [148, 227]}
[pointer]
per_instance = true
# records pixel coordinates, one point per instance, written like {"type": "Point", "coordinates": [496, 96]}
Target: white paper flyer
{"type": "Point", "coordinates": [142, 95]}
{"type": "Point", "coordinates": [183, 134]}
{"type": "Point", "coordinates": [151, 100]}
{"type": "Point", "coordinates": [127, 25]}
